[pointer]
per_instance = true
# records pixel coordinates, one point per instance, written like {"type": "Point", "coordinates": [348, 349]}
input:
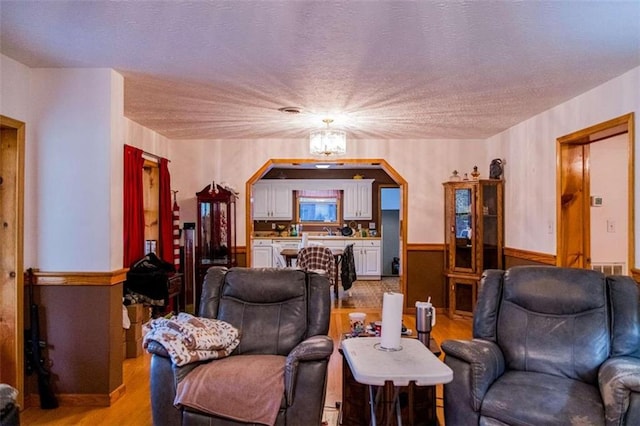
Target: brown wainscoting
{"type": "Point", "coordinates": [424, 276]}
{"type": "Point", "coordinates": [515, 257]}
{"type": "Point", "coordinates": [241, 255]}
{"type": "Point", "coordinates": [81, 321]}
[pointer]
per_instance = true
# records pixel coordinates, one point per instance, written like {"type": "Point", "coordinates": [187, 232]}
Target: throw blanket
{"type": "Point", "coordinates": [189, 339]}
{"type": "Point", "coordinates": [247, 388]}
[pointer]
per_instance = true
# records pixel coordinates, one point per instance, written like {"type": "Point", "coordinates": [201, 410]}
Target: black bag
{"type": "Point", "coordinates": [149, 277]}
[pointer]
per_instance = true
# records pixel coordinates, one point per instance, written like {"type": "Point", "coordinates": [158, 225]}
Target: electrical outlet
{"type": "Point", "coordinates": [273, 226]}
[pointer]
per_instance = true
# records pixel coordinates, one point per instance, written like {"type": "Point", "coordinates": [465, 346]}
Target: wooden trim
{"type": "Point", "coordinates": [425, 247]}
{"type": "Point", "coordinates": [81, 278]}
{"type": "Point", "coordinates": [545, 258]}
{"type": "Point", "coordinates": [81, 399]}
{"type": "Point", "coordinates": [12, 164]}
{"type": "Point", "coordinates": [635, 274]}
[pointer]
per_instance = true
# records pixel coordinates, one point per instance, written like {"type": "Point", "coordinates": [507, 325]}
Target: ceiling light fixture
{"type": "Point", "coordinates": [323, 166]}
{"type": "Point", "coordinates": [328, 142]}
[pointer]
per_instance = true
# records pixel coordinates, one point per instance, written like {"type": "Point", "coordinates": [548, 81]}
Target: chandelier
{"type": "Point", "coordinates": [328, 142]}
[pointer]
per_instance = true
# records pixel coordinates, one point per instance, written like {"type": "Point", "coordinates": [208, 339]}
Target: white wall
{"type": "Point", "coordinates": [76, 189]}
{"type": "Point", "coordinates": [15, 96]}
{"type": "Point", "coordinates": [530, 152]}
{"type": "Point", "coordinates": [425, 164]}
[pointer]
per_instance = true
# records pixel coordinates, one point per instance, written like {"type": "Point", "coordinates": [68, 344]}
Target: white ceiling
{"type": "Point", "coordinates": [381, 69]}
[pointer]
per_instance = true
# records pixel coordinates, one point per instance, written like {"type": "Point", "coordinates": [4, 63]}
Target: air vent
{"type": "Point", "coordinates": [290, 110]}
{"type": "Point", "coordinates": [610, 268]}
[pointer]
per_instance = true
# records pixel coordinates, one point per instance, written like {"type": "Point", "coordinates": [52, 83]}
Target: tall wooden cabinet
{"type": "Point", "coordinates": [216, 233]}
{"type": "Point", "coordinates": [474, 238]}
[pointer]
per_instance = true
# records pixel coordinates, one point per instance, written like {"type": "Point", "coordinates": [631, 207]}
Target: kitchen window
{"type": "Point", "coordinates": [318, 207]}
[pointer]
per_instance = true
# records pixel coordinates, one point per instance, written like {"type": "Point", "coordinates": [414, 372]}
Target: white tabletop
{"type": "Point", "coordinates": [415, 362]}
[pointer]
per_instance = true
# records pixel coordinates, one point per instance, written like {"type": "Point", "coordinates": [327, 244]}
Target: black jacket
{"type": "Point", "coordinates": [348, 271]}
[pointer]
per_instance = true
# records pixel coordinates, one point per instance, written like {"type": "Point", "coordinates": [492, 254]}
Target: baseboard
{"type": "Point", "coordinates": [81, 400]}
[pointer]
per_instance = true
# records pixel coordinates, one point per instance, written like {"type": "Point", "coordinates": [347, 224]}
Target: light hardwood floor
{"type": "Point", "coordinates": [134, 407]}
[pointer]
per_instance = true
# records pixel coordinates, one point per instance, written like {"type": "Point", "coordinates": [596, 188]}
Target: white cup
{"type": "Point", "coordinates": [357, 321]}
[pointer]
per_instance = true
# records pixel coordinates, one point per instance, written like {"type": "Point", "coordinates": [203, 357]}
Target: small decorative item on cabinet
{"type": "Point", "coordinates": [495, 169]}
{"type": "Point", "coordinates": [454, 176]}
{"type": "Point", "coordinates": [475, 174]}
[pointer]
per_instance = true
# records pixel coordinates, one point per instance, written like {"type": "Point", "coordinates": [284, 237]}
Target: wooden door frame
{"type": "Point", "coordinates": [573, 171]}
{"type": "Point", "coordinates": [12, 138]}
{"type": "Point", "coordinates": [397, 178]}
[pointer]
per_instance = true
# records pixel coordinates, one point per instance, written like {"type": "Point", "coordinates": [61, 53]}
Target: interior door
{"type": "Point", "coordinates": [574, 240]}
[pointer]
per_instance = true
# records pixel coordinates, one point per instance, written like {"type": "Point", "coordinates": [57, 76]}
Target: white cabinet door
{"type": "Point", "coordinates": [357, 200]}
{"type": "Point", "coordinates": [272, 201]}
{"type": "Point", "coordinates": [365, 200]}
{"type": "Point", "coordinates": [261, 201]}
{"type": "Point", "coordinates": [281, 198]}
{"type": "Point", "coordinates": [367, 258]}
{"type": "Point", "coordinates": [261, 254]}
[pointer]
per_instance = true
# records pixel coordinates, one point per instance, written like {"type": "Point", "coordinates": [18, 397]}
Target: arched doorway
{"type": "Point", "coordinates": [379, 163]}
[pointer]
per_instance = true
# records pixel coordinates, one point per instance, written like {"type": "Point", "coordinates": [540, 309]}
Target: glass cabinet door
{"type": "Point", "coordinates": [491, 227]}
{"type": "Point", "coordinates": [463, 255]}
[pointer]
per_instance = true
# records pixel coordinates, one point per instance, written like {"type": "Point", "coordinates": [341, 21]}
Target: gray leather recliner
{"type": "Point", "coordinates": [551, 346]}
{"type": "Point", "coordinates": [278, 312]}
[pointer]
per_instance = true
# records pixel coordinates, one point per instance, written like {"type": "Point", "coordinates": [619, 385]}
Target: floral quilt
{"type": "Point", "coordinates": [189, 339]}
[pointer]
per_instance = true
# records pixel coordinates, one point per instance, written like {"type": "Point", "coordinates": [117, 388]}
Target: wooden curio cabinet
{"type": "Point", "coordinates": [215, 233]}
{"type": "Point", "coordinates": [474, 235]}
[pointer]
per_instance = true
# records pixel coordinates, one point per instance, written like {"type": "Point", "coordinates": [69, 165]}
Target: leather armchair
{"type": "Point", "coordinates": [278, 312]}
{"type": "Point", "coordinates": [551, 346]}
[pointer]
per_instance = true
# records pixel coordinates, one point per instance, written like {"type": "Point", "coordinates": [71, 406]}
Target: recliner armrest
{"type": "Point", "coordinates": [485, 360]}
{"type": "Point", "coordinates": [155, 348]}
{"type": "Point", "coordinates": [618, 377]}
{"type": "Point", "coordinates": [315, 348]}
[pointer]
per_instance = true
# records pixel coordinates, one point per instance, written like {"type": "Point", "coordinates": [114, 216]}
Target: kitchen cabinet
{"type": "Point", "coordinates": [272, 201]}
{"type": "Point", "coordinates": [358, 199]}
{"type": "Point", "coordinates": [367, 255]}
{"type": "Point", "coordinates": [262, 254]}
{"type": "Point", "coordinates": [474, 235]}
{"type": "Point", "coordinates": [216, 243]}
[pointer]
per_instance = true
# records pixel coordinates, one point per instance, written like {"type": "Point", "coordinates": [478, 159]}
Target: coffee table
{"type": "Point", "coordinates": [412, 366]}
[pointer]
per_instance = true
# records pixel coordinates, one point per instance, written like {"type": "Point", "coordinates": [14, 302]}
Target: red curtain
{"type": "Point", "coordinates": [165, 214]}
{"type": "Point", "coordinates": [133, 215]}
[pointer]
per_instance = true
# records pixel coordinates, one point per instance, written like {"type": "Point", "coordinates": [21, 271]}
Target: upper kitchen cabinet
{"type": "Point", "coordinates": [358, 199]}
{"type": "Point", "coordinates": [272, 201]}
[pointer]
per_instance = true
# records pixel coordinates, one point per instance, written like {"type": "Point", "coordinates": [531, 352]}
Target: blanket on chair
{"type": "Point", "coordinates": [247, 388]}
{"type": "Point", "coordinates": [189, 339]}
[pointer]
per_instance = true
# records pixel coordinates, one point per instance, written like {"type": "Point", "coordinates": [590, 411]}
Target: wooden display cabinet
{"type": "Point", "coordinates": [215, 233]}
{"type": "Point", "coordinates": [474, 235]}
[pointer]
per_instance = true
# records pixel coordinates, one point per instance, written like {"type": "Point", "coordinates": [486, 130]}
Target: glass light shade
{"type": "Point", "coordinates": [328, 142]}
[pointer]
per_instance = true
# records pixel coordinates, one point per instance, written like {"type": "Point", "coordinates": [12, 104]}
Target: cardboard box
{"type": "Point", "coordinates": [146, 314]}
{"type": "Point", "coordinates": [134, 332]}
{"type": "Point", "coordinates": [135, 312]}
{"type": "Point", "coordinates": [134, 348]}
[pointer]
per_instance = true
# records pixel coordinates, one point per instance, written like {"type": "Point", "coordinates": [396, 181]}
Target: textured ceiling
{"type": "Point", "coordinates": [381, 69]}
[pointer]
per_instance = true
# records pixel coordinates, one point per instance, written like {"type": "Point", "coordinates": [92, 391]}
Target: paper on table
{"type": "Point", "coordinates": [391, 320]}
